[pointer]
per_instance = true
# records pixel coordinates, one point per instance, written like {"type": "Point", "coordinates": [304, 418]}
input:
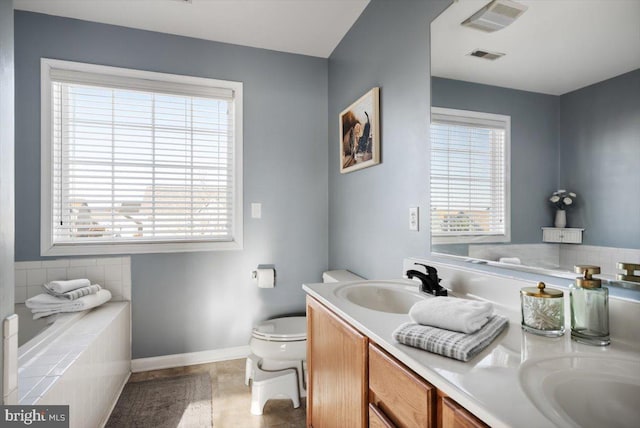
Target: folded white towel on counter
{"type": "Point", "coordinates": [465, 316]}
{"type": "Point", "coordinates": [75, 294]}
{"type": "Point", "coordinates": [449, 343]}
{"type": "Point", "coordinates": [65, 286]}
{"type": "Point", "coordinates": [510, 260]}
{"type": "Point", "coordinates": [44, 305]}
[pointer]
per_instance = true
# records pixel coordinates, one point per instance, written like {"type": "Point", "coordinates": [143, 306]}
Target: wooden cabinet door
{"type": "Point", "coordinates": [337, 368]}
{"type": "Point", "coordinates": [456, 416]}
{"type": "Point", "coordinates": [400, 395]}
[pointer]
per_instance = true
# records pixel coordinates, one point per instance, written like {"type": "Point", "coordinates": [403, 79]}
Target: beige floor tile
{"type": "Point", "coordinates": [231, 398]}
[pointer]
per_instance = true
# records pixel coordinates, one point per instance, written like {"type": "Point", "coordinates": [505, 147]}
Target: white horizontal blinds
{"type": "Point", "coordinates": [133, 163]}
{"type": "Point", "coordinates": [468, 176]}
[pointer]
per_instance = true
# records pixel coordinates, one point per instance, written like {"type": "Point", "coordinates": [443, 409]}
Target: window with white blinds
{"type": "Point", "coordinates": [469, 176]}
{"type": "Point", "coordinates": [139, 161]}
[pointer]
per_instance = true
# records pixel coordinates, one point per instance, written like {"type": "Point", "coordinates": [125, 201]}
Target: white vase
{"type": "Point", "coordinates": [561, 218]}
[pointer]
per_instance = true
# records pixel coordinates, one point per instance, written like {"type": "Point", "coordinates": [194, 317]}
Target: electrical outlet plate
{"type": "Point", "coordinates": [413, 219]}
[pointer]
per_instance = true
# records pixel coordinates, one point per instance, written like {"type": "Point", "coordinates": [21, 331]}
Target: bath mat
{"type": "Point", "coordinates": [183, 401]}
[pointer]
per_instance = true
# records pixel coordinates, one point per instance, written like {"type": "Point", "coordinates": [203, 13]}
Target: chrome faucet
{"type": "Point", "coordinates": [429, 282]}
{"type": "Point", "coordinates": [630, 269]}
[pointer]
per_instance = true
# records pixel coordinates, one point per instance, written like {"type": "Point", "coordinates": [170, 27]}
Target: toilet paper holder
{"type": "Point", "coordinates": [264, 276]}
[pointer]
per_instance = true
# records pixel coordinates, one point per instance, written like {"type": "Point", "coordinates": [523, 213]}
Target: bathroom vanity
{"type": "Point", "coordinates": [362, 385]}
{"type": "Point", "coordinates": [359, 376]}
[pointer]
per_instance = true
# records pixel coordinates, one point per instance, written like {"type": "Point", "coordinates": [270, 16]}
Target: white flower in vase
{"type": "Point", "coordinates": [562, 199]}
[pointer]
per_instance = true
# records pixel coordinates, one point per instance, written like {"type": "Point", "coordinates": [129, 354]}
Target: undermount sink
{"type": "Point", "coordinates": [584, 391]}
{"type": "Point", "coordinates": [383, 296]}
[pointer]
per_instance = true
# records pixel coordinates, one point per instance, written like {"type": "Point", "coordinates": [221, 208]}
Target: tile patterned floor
{"type": "Point", "coordinates": [231, 398]}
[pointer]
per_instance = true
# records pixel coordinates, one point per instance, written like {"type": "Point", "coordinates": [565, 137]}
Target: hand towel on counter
{"type": "Point", "coordinates": [44, 305]}
{"type": "Point", "coordinates": [449, 343]}
{"type": "Point", "coordinates": [75, 294]}
{"type": "Point", "coordinates": [66, 286]}
{"type": "Point", "coordinates": [465, 316]}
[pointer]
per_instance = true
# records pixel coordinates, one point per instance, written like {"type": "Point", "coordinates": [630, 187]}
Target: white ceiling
{"type": "Point", "coordinates": [555, 47]}
{"type": "Point", "coordinates": [308, 27]}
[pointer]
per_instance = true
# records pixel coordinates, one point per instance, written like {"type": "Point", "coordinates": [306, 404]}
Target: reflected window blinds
{"type": "Point", "coordinates": [469, 175]}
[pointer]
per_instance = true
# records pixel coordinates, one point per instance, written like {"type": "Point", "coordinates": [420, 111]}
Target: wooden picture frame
{"type": "Point", "coordinates": [360, 133]}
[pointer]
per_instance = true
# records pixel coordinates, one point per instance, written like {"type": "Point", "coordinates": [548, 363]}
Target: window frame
{"type": "Point", "coordinates": [47, 245]}
{"type": "Point", "coordinates": [479, 117]}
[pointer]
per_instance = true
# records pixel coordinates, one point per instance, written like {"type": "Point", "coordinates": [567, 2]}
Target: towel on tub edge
{"type": "Point", "coordinates": [74, 294]}
{"type": "Point", "coordinates": [67, 285]}
{"type": "Point", "coordinates": [44, 305]}
{"type": "Point", "coordinates": [449, 343]}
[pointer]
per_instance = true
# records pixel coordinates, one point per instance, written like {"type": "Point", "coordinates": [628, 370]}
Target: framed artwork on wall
{"type": "Point", "coordinates": [360, 133]}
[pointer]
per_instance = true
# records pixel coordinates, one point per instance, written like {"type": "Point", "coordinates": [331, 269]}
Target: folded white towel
{"type": "Point", "coordinates": [510, 260]}
{"type": "Point", "coordinates": [44, 305]}
{"type": "Point", "coordinates": [75, 294]}
{"type": "Point", "coordinates": [65, 286]}
{"type": "Point", "coordinates": [466, 316]}
{"type": "Point", "coordinates": [45, 300]}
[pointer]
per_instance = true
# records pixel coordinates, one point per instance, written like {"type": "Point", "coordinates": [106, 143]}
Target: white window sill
{"type": "Point", "coordinates": [466, 239]}
{"type": "Point", "coordinates": [137, 248]}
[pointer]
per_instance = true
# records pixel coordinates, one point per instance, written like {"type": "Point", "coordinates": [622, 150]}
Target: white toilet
{"type": "Point", "coordinates": [281, 343]}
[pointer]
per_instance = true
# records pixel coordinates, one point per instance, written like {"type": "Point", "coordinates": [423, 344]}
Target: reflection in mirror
{"type": "Point", "coordinates": [550, 103]}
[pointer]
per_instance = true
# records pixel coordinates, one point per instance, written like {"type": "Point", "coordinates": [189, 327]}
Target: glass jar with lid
{"type": "Point", "coordinates": [542, 310]}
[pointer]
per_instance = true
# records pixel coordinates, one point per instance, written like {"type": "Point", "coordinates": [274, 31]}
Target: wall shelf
{"type": "Point", "coordinates": [564, 235]}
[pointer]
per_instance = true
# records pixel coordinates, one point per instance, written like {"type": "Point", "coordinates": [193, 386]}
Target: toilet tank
{"type": "Point", "coordinates": [340, 275]}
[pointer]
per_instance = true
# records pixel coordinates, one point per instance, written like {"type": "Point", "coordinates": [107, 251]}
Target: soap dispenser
{"type": "Point", "coordinates": [589, 308]}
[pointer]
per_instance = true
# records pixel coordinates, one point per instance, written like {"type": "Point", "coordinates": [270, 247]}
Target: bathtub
{"type": "Point", "coordinates": [35, 335]}
{"type": "Point", "coordinates": [80, 359]}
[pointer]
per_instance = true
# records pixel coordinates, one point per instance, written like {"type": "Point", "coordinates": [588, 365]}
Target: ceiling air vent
{"type": "Point", "coordinates": [486, 55]}
{"type": "Point", "coordinates": [495, 16]}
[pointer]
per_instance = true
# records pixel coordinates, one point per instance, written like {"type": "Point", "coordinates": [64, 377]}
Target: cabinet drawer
{"type": "Point", "coordinates": [377, 419]}
{"type": "Point", "coordinates": [456, 416]}
{"type": "Point", "coordinates": [404, 398]}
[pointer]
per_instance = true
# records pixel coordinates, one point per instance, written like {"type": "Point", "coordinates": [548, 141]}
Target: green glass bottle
{"type": "Point", "coordinates": [589, 308]}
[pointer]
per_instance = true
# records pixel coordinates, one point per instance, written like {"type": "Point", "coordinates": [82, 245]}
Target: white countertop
{"type": "Point", "coordinates": [488, 384]}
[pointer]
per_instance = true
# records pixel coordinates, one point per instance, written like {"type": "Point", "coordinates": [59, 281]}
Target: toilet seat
{"type": "Point", "coordinates": [288, 329]}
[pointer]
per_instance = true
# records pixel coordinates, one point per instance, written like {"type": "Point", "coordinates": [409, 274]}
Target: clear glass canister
{"type": "Point", "coordinates": [542, 310]}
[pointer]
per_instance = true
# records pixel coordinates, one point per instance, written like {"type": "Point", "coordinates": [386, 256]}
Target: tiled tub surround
{"type": "Point", "coordinates": [541, 255]}
{"type": "Point", "coordinates": [84, 366]}
{"type": "Point", "coordinates": [112, 273]}
{"type": "Point", "coordinates": [605, 257]}
{"type": "Point", "coordinates": [488, 385]}
{"type": "Point", "coordinates": [83, 358]}
{"type": "Point", "coordinates": [559, 256]}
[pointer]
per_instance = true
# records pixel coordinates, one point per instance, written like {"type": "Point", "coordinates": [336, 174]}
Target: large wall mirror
{"type": "Point", "coordinates": [548, 103]}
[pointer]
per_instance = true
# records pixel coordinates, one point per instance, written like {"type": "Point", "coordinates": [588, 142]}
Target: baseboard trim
{"type": "Point", "coordinates": [188, 359]}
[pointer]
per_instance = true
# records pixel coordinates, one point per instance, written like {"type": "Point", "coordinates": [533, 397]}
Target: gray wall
{"type": "Point", "coordinates": [6, 166]}
{"type": "Point", "coordinates": [369, 209]}
{"type": "Point", "coordinates": [600, 159]}
{"type": "Point", "coordinates": [201, 301]}
{"type": "Point", "coordinates": [534, 146]}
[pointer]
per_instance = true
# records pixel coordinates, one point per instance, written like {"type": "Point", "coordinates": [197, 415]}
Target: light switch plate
{"type": "Point", "coordinates": [256, 210]}
{"type": "Point", "coordinates": [413, 219]}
